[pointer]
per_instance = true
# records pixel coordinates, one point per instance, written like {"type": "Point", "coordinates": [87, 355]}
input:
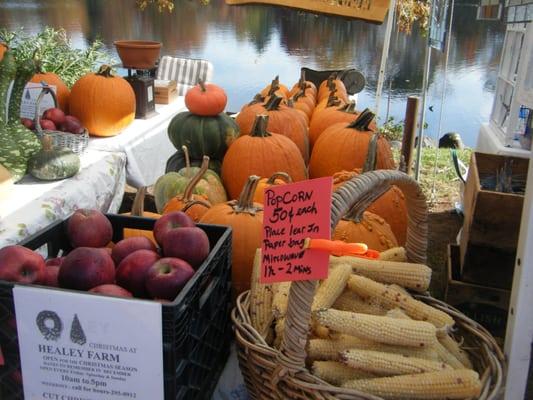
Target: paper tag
{"type": "Point", "coordinates": [150, 93]}
{"type": "Point", "coordinates": [82, 346]}
{"type": "Point", "coordinates": [29, 100]}
{"type": "Point", "coordinates": [292, 213]}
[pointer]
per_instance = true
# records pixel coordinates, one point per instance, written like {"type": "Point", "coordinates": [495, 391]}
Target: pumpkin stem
{"type": "Point", "coordinates": [257, 99]}
{"type": "Point", "coordinates": [279, 175]}
{"type": "Point", "coordinates": [273, 102]}
{"type": "Point", "coordinates": [333, 100]}
{"type": "Point", "coordinates": [47, 143]}
{"type": "Point", "coordinates": [290, 102]}
{"type": "Point", "coordinates": [300, 94]}
{"type": "Point", "coordinates": [260, 125]}
{"type": "Point", "coordinates": [201, 83]}
{"type": "Point", "coordinates": [187, 161]}
{"type": "Point", "coordinates": [348, 108]}
{"type": "Point", "coordinates": [187, 193]}
{"type": "Point", "coordinates": [191, 203]}
{"type": "Point", "coordinates": [246, 199]}
{"type": "Point", "coordinates": [363, 121]}
{"type": "Point", "coordinates": [105, 70]}
{"type": "Point", "coordinates": [137, 208]}
{"type": "Point", "coordinates": [372, 154]}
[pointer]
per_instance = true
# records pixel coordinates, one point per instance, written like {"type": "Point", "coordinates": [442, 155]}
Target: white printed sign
{"type": "Point", "coordinates": [88, 347]}
{"type": "Point", "coordinates": [29, 100]}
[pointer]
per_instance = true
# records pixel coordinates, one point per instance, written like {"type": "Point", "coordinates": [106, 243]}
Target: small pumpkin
{"type": "Point", "coordinates": [345, 146]}
{"type": "Point", "coordinates": [194, 205]}
{"type": "Point", "coordinates": [279, 178]}
{"type": "Point", "coordinates": [137, 210]}
{"type": "Point", "coordinates": [260, 153]}
{"type": "Point", "coordinates": [246, 220]}
{"type": "Point", "coordinates": [62, 90]}
{"type": "Point", "coordinates": [275, 88]}
{"type": "Point", "coordinates": [53, 163]}
{"type": "Point", "coordinates": [103, 102]}
{"type": "Point", "coordinates": [203, 136]}
{"type": "Point", "coordinates": [206, 99]}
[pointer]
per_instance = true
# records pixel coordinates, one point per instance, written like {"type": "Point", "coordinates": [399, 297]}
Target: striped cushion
{"type": "Point", "coordinates": [185, 71]}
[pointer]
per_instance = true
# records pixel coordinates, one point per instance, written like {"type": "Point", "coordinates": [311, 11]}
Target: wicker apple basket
{"type": "Point", "coordinates": [270, 373]}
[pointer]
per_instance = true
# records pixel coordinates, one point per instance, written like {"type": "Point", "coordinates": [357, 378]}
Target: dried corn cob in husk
{"type": "Point", "coordinates": [412, 276]}
{"type": "Point", "coordinates": [349, 301]}
{"type": "Point", "coordinates": [453, 347]}
{"type": "Point", "coordinates": [336, 373]}
{"type": "Point", "coordinates": [330, 289]}
{"type": "Point", "coordinates": [393, 254]}
{"type": "Point", "coordinates": [447, 384]}
{"type": "Point", "coordinates": [260, 299]}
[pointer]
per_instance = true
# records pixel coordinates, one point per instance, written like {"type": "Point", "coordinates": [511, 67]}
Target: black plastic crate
{"type": "Point", "coordinates": [196, 325]}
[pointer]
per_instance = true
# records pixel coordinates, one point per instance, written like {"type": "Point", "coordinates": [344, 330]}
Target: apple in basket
{"type": "Point", "coordinates": [132, 270]}
{"type": "Point", "coordinates": [56, 115]}
{"type": "Point", "coordinates": [111, 289]}
{"type": "Point", "coordinates": [89, 228]}
{"type": "Point", "coordinates": [47, 125]}
{"type": "Point", "coordinates": [28, 123]}
{"type": "Point", "coordinates": [167, 277]}
{"type": "Point", "coordinates": [85, 267]}
{"type": "Point", "coordinates": [20, 264]}
{"type": "Point", "coordinates": [72, 125]}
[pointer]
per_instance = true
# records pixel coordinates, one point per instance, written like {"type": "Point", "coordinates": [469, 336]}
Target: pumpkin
{"type": "Point", "coordinates": [194, 205]}
{"type": "Point", "coordinates": [279, 178]}
{"type": "Point", "coordinates": [367, 228]}
{"type": "Point", "coordinates": [260, 153]}
{"type": "Point", "coordinates": [301, 108]}
{"type": "Point", "coordinates": [203, 136]}
{"type": "Point", "coordinates": [283, 120]}
{"type": "Point", "coordinates": [331, 101]}
{"type": "Point", "coordinates": [103, 102]}
{"type": "Point", "coordinates": [62, 90]}
{"type": "Point", "coordinates": [3, 49]}
{"type": "Point", "coordinates": [53, 163]}
{"type": "Point", "coordinates": [174, 183]}
{"type": "Point", "coordinates": [331, 115]}
{"type": "Point", "coordinates": [333, 83]}
{"type": "Point", "coordinates": [275, 88]}
{"type": "Point", "coordinates": [206, 99]}
{"type": "Point", "coordinates": [345, 146]}
{"type": "Point", "coordinates": [246, 220]}
{"type": "Point", "coordinates": [137, 210]}
{"type": "Point", "coordinates": [308, 87]}
{"type": "Point", "coordinates": [304, 103]}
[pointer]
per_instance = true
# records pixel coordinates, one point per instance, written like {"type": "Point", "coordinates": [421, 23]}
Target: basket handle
{"type": "Point", "coordinates": [357, 193]}
{"type": "Point", "coordinates": [46, 89]}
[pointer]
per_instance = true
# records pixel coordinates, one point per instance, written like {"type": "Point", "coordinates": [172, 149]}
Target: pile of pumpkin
{"type": "Point", "coordinates": [281, 136]}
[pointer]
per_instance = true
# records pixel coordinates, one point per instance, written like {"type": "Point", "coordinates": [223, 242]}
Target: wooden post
{"type": "Point", "coordinates": [409, 132]}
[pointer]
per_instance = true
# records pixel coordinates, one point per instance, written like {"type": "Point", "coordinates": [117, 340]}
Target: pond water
{"type": "Point", "coordinates": [249, 45]}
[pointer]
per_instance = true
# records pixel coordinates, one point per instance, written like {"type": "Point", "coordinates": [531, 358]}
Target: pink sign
{"type": "Point", "coordinates": [293, 213]}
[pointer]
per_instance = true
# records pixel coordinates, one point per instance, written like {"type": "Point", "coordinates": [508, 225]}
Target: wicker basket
{"type": "Point", "coordinates": [75, 142]}
{"type": "Point", "coordinates": [281, 374]}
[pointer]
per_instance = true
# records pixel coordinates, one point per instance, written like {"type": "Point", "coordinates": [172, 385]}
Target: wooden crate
{"type": "Point", "coordinates": [165, 91]}
{"type": "Point", "coordinates": [491, 224]}
{"type": "Point", "coordinates": [486, 305]}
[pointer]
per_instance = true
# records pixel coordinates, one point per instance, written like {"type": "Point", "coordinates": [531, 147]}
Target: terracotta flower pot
{"type": "Point", "coordinates": [140, 54]}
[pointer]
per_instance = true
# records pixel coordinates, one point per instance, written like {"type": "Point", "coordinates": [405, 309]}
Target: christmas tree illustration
{"type": "Point", "coordinates": [76, 332]}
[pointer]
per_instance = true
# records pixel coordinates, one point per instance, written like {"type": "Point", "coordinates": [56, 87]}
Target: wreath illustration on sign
{"type": "Point", "coordinates": [49, 333]}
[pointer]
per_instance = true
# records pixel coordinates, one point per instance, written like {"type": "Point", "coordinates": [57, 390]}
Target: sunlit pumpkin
{"type": "Point", "coordinates": [279, 178]}
{"type": "Point", "coordinates": [3, 48]}
{"type": "Point", "coordinates": [333, 83]}
{"type": "Point", "coordinates": [206, 99]}
{"type": "Point", "coordinates": [137, 210]}
{"type": "Point", "coordinates": [62, 90]}
{"type": "Point", "coordinates": [275, 88]}
{"type": "Point", "coordinates": [331, 101]}
{"type": "Point", "coordinates": [308, 87]}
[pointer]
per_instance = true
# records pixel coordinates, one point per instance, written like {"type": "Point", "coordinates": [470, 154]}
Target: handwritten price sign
{"type": "Point", "coordinates": [293, 213]}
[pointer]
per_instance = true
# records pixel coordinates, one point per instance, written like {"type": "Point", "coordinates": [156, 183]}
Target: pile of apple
{"type": "Point", "coordinates": [54, 119]}
{"type": "Point", "coordinates": [133, 267]}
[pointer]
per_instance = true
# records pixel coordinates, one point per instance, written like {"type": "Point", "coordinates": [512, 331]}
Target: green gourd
{"type": "Point", "coordinates": [53, 163]}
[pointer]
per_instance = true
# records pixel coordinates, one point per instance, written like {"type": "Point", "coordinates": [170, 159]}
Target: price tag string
{"type": "Point", "coordinates": [340, 248]}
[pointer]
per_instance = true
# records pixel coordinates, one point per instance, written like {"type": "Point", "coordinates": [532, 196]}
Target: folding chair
{"type": "Point", "coordinates": [185, 71]}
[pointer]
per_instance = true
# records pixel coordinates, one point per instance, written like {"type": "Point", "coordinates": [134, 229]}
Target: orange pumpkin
{"type": "Point", "coordinates": [304, 103]}
{"type": "Point", "coordinates": [246, 220]}
{"type": "Point", "coordinates": [279, 178]}
{"type": "Point", "coordinates": [103, 102]}
{"type": "Point", "coordinates": [275, 88]}
{"type": "Point", "coordinates": [3, 48]}
{"type": "Point", "coordinates": [345, 147]}
{"type": "Point", "coordinates": [308, 87]}
{"type": "Point", "coordinates": [331, 101]}
{"type": "Point", "coordinates": [62, 90]}
{"type": "Point", "coordinates": [260, 153]}
{"type": "Point", "coordinates": [283, 120]}
{"type": "Point", "coordinates": [331, 84]}
{"type": "Point", "coordinates": [302, 109]}
{"type": "Point", "coordinates": [194, 205]}
{"type": "Point", "coordinates": [206, 99]}
{"type": "Point", "coordinates": [137, 210]}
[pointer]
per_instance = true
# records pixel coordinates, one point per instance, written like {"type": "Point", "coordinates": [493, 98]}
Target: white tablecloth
{"type": "Point", "coordinates": [145, 143]}
{"type": "Point", "coordinates": [33, 204]}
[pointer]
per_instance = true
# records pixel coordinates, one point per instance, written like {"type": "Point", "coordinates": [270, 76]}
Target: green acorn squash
{"type": "Point", "coordinates": [53, 163]}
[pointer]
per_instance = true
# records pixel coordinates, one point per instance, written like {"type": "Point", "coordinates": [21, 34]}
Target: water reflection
{"type": "Point", "coordinates": [249, 45]}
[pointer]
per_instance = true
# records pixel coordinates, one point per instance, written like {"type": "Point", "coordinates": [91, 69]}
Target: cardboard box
{"type": "Point", "coordinates": [486, 305]}
{"type": "Point", "coordinates": [491, 223]}
{"type": "Point", "coordinates": [165, 91]}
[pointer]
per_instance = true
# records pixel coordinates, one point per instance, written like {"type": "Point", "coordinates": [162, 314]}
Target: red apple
{"type": "Point", "coordinates": [129, 245]}
{"type": "Point", "coordinates": [111, 290]}
{"type": "Point", "coordinates": [189, 244]}
{"type": "Point", "coordinates": [89, 228]}
{"type": "Point", "coordinates": [56, 115]}
{"type": "Point", "coordinates": [47, 125]}
{"type": "Point", "coordinates": [20, 264]}
{"type": "Point", "coordinates": [84, 268]}
{"type": "Point", "coordinates": [172, 220]}
{"type": "Point", "coordinates": [28, 123]}
{"type": "Point", "coordinates": [167, 277]}
{"type": "Point", "coordinates": [72, 125]}
{"type": "Point", "coordinates": [131, 272]}
{"type": "Point", "coordinates": [52, 270]}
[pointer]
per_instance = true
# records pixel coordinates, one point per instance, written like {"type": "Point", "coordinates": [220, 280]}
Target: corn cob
{"type": "Point", "coordinates": [453, 347]}
{"type": "Point", "coordinates": [400, 332]}
{"type": "Point", "coordinates": [329, 349]}
{"type": "Point", "coordinates": [391, 298]}
{"type": "Point", "coordinates": [446, 356]}
{"type": "Point", "coordinates": [400, 289]}
{"type": "Point", "coordinates": [386, 364]}
{"type": "Point", "coordinates": [332, 287]}
{"type": "Point", "coordinates": [447, 384]}
{"type": "Point", "coordinates": [412, 276]}
{"type": "Point", "coordinates": [260, 299]}
{"type": "Point", "coordinates": [349, 301]}
{"type": "Point", "coordinates": [281, 299]}
{"type": "Point", "coordinates": [320, 331]}
{"type": "Point", "coordinates": [397, 313]}
{"type": "Point", "coordinates": [336, 373]}
{"type": "Point", "coordinates": [393, 254]}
